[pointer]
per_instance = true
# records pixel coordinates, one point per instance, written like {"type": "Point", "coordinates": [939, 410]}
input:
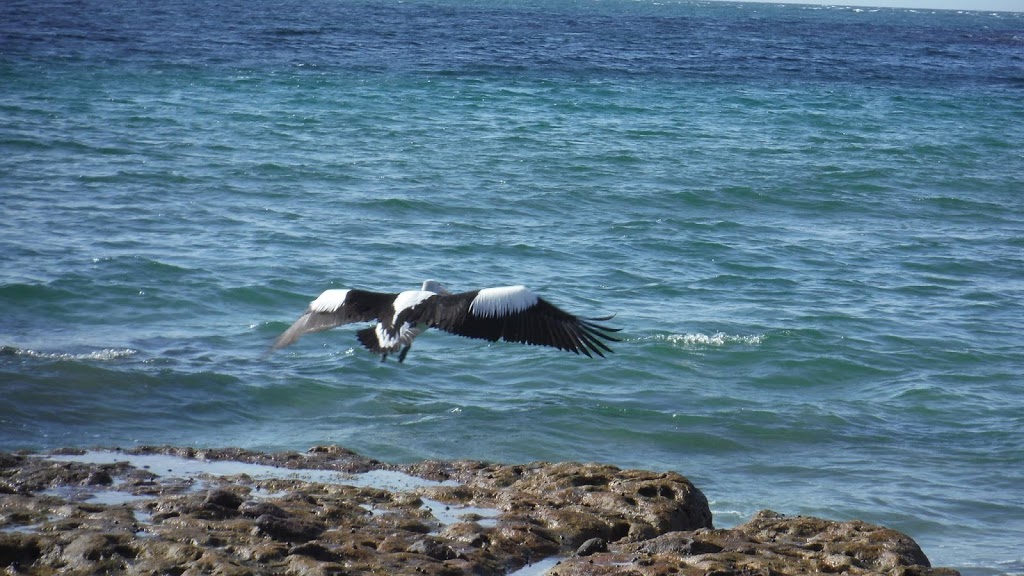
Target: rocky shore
{"type": "Point", "coordinates": [232, 512]}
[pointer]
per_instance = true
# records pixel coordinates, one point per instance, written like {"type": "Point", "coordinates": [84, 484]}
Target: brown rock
{"type": "Point", "coordinates": [99, 478]}
{"type": "Point", "coordinates": [592, 546]}
{"type": "Point", "coordinates": [615, 521]}
{"type": "Point", "coordinates": [433, 548]}
{"type": "Point", "coordinates": [314, 550]}
{"type": "Point", "coordinates": [97, 552]}
{"type": "Point", "coordinates": [223, 498]}
{"type": "Point", "coordinates": [678, 543]}
{"type": "Point", "coordinates": [769, 544]}
{"type": "Point", "coordinates": [289, 529]}
{"type": "Point", "coordinates": [867, 545]}
{"type": "Point", "coordinates": [18, 550]}
{"type": "Point", "coordinates": [255, 509]}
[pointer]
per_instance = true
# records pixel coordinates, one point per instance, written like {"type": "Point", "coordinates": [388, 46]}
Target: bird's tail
{"type": "Point", "coordinates": [368, 338]}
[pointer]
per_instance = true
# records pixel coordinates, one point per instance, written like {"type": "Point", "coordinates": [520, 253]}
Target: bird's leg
{"type": "Point", "coordinates": [383, 356]}
{"type": "Point", "coordinates": [401, 355]}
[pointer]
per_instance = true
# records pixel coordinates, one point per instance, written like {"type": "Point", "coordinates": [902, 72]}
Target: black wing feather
{"type": "Point", "coordinates": [542, 324]}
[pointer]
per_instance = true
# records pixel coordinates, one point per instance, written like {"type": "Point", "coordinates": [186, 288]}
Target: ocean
{"type": "Point", "coordinates": [808, 222]}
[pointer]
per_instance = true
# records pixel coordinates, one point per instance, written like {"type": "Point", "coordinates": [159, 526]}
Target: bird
{"type": "Point", "coordinates": [509, 313]}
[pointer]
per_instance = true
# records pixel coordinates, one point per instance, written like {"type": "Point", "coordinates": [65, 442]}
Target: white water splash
{"type": "Point", "coordinates": [105, 354]}
{"type": "Point", "coordinates": [710, 340]}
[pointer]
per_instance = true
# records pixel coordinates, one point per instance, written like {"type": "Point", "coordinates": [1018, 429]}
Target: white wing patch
{"type": "Point", "coordinates": [409, 299]}
{"type": "Point", "coordinates": [329, 301]}
{"type": "Point", "coordinates": [502, 301]}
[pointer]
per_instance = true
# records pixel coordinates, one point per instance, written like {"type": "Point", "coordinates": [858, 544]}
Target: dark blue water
{"type": "Point", "coordinates": [808, 222]}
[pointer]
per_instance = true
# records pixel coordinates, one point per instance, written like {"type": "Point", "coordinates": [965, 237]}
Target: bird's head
{"type": "Point", "coordinates": [434, 286]}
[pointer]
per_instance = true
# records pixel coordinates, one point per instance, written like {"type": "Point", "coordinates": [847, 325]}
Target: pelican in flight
{"type": "Point", "coordinates": [509, 313]}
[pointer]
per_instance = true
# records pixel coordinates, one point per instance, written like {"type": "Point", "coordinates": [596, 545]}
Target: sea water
{"type": "Point", "coordinates": [808, 222]}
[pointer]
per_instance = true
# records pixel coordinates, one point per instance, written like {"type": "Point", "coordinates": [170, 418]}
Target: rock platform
{"type": "Point", "coordinates": [329, 511]}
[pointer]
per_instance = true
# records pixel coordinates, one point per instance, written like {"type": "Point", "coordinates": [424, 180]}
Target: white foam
{"type": "Point", "coordinates": [329, 301]}
{"type": "Point", "coordinates": [502, 301]}
{"type": "Point", "coordinates": [711, 340]}
{"type": "Point", "coordinates": [105, 355]}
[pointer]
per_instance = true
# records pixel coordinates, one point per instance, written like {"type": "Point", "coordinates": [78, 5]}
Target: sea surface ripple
{"type": "Point", "coordinates": [807, 221]}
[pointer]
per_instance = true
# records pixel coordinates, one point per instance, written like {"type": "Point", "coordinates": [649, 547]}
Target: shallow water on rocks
{"type": "Point", "coordinates": [169, 466]}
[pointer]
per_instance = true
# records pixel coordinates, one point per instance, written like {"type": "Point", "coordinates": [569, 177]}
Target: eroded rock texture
{"type": "Point", "coordinates": [60, 516]}
{"type": "Point", "coordinates": [770, 544]}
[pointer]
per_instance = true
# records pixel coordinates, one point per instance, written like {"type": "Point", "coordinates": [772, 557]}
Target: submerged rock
{"type": "Point", "coordinates": [331, 511]}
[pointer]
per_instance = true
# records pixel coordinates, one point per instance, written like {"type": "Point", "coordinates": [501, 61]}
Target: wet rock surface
{"type": "Point", "coordinates": [331, 511]}
{"type": "Point", "coordinates": [769, 544]}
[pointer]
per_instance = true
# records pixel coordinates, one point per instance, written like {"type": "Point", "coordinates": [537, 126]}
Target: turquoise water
{"type": "Point", "coordinates": [808, 222]}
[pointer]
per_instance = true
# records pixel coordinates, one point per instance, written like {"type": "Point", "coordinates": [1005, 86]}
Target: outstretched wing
{"type": "Point", "coordinates": [334, 308]}
{"type": "Point", "coordinates": [515, 314]}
